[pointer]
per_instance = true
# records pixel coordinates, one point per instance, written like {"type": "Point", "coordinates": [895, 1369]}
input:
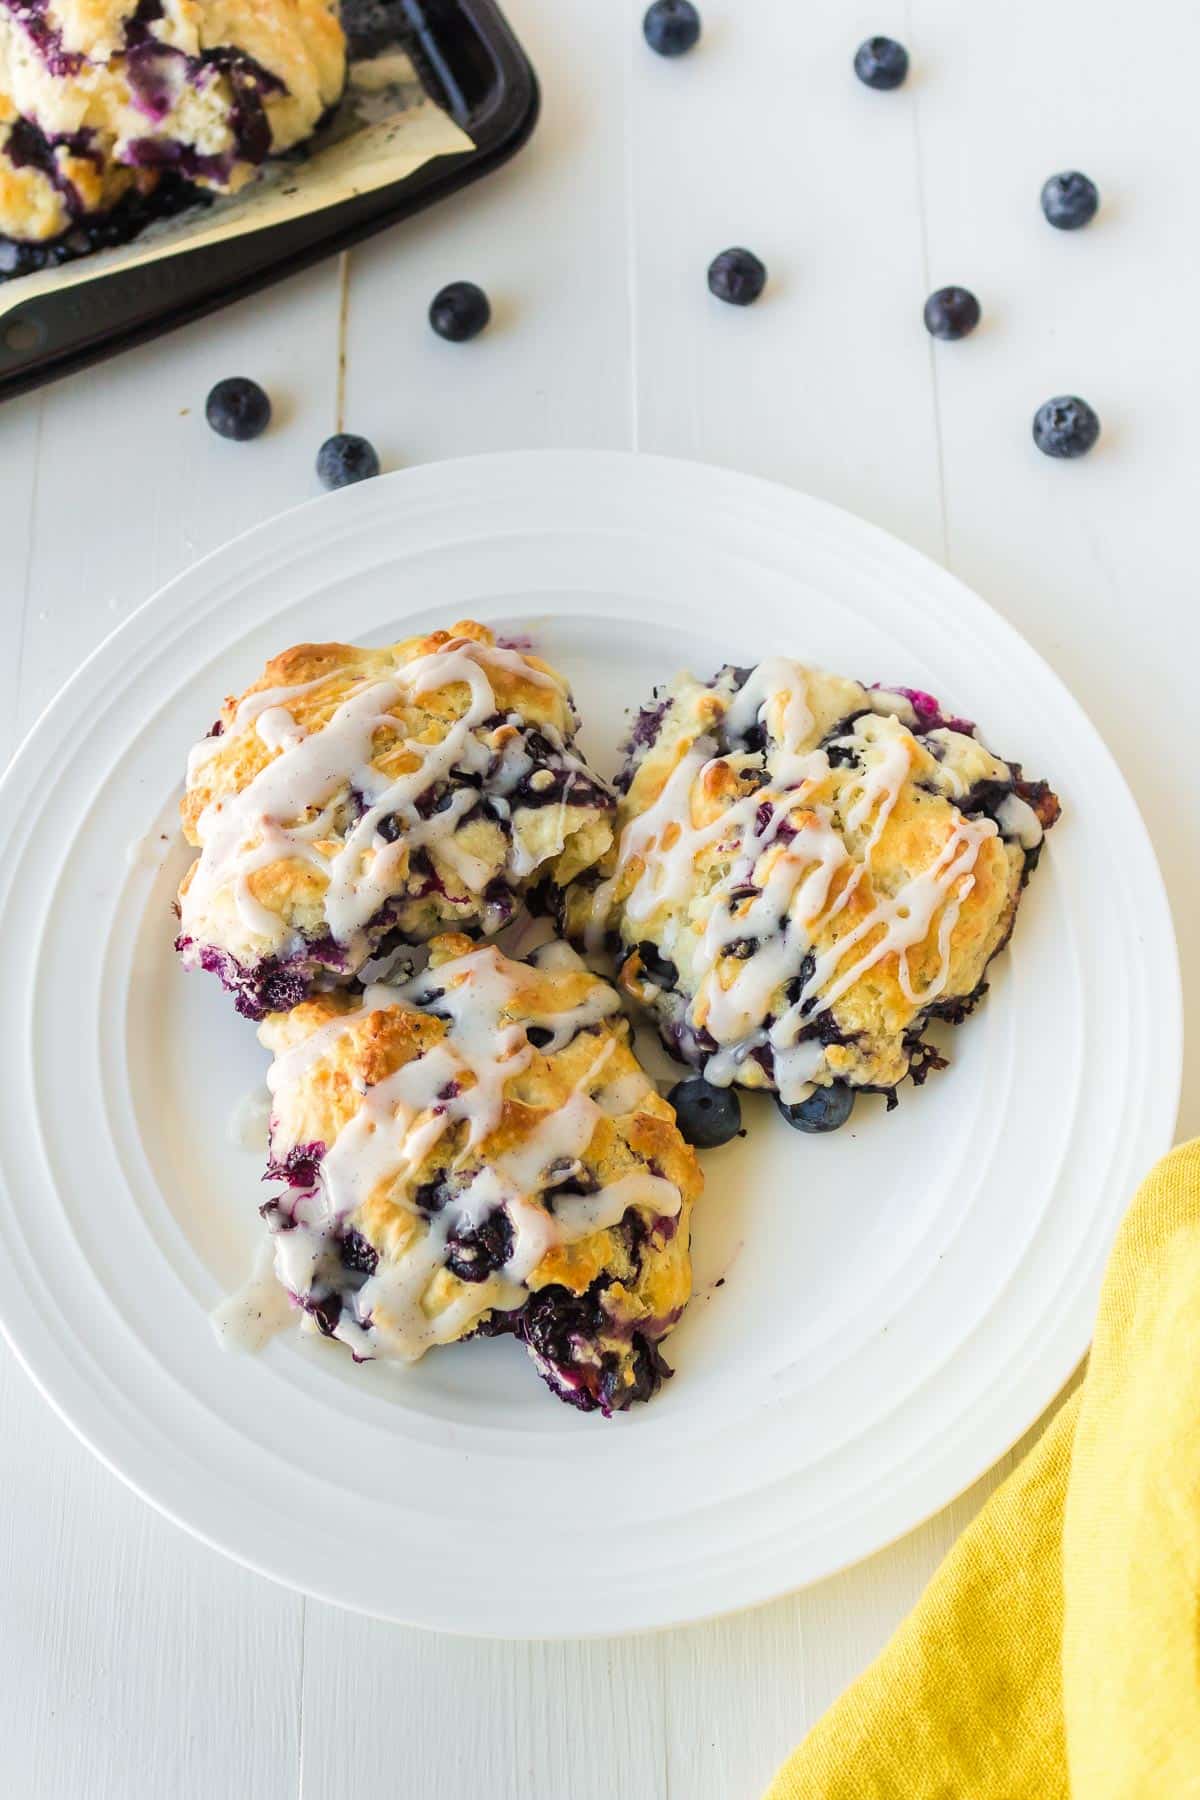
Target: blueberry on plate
{"type": "Point", "coordinates": [672, 27]}
{"type": "Point", "coordinates": [238, 409]}
{"type": "Point", "coordinates": [1065, 427]}
{"type": "Point", "coordinates": [460, 311]}
{"type": "Point", "coordinates": [1070, 200]}
{"type": "Point", "coordinates": [826, 1109]}
{"type": "Point", "coordinates": [881, 63]}
{"type": "Point", "coordinates": [737, 277]}
{"type": "Point", "coordinates": [345, 459]}
{"type": "Point", "coordinates": [951, 312]}
{"type": "Point", "coordinates": [706, 1115]}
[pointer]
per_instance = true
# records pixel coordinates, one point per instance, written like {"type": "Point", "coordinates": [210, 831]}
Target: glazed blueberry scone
{"type": "Point", "coordinates": [100, 99]}
{"type": "Point", "coordinates": [479, 1151]}
{"type": "Point", "coordinates": [808, 872]}
{"type": "Point", "coordinates": [354, 799]}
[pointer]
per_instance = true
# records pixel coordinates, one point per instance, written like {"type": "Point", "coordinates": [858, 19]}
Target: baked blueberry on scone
{"type": "Point", "coordinates": [807, 873]}
{"type": "Point", "coordinates": [352, 800]}
{"type": "Point", "coordinates": [479, 1151]}
{"type": "Point", "coordinates": [106, 103]}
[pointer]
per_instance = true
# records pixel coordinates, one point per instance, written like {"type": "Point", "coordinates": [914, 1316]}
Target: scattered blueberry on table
{"type": "Point", "coordinates": [826, 1109]}
{"type": "Point", "coordinates": [951, 313]}
{"type": "Point", "coordinates": [1070, 200]}
{"type": "Point", "coordinates": [672, 27]}
{"type": "Point", "coordinates": [1065, 427]}
{"type": "Point", "coordinates": [460, 311]}
{"type": "Point", "coordinates": [344, 459]}
{"type": "Point", "coordinates": [737, 277]}
{"type": "Point", "coordinates": [881, 63]}
{"type": "Point", "coordinates": [238, 408]}
{"type": "Point", "coordinates": [707, 1116]}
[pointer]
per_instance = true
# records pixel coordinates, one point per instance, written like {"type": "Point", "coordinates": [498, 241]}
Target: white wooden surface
{"type": "Point", "coordinates": [133, 1660]}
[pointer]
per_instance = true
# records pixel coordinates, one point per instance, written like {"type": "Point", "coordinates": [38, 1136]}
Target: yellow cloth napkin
{"type": "Point", "coordinates": [1056, 1651]}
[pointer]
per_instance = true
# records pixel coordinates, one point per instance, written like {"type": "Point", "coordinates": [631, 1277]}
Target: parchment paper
{"type": "Point", "coordinates": [386, 128]}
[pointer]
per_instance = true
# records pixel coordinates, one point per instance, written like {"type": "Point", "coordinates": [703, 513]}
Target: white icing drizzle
{"type": "Point", "coordinates": [776, 685]}
{"type": "Point", "coordinates": [248, 1122]}
{"type": "Point", "coordinates": [287, 811]}
{"type": "Point", "coordinates": [780, 922]}
{"type": "Point", "coordinates": [260, 1308]}
{"type": "Point", "coordinates": [249, 709]}
{"type": "Point", "coordinates": [460, 1079]}
{"type": "Point", "coordinates": [1017, 820]}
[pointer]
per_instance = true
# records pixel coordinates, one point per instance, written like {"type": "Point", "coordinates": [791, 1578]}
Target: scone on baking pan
{"type": "Point", "coordinates": [479, 1151]}
{"type": "Point", "coordinates": [353, 797]}
{"type": "Point", "coordinates": [809, 871]}
{"type": "Point", "coordinates": [98, 97]}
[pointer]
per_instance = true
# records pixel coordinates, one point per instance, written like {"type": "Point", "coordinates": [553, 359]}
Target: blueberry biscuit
{"type": "Point", "coordinates": [100, 100]}
{"type": "Point", "coordinates": [353, 799]}
{"type": "Point", "coordinates": [808, 871]}
{"type": "Point", "coordinates": [478, 1151]}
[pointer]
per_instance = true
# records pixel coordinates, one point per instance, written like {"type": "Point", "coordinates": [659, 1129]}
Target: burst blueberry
{"type": "Point", "coordinates": [707, 1116]}
{"type": "Point", "coordinates": [459, 311]}
{"type": "Point", "coordinates": [1065, 427]}
{"type": "Point", "coordinates": [238, 408]}
{"type": "Point", "coordinates": [826, 1109]}
{"type": "Point", "coordinates": [474, 1252]}
{"type": "Point", "coordinates": [737, 277]}
{"type": "Point", "coordinates": [672, 27]}
{"type": "Point", "coordinates": [1070, 200]}
{"type": "Point", "coordinates": [344, 459]}
{"type": "Point", "coordinates": [951, 313]}
{"type": "Point", "coordinates": [881, 63]}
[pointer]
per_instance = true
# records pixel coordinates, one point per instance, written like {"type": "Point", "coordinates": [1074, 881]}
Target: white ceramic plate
{"type": "Point", "coordinates": [899, 1301]}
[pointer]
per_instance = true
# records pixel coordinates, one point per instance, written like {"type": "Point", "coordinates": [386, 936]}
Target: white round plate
{"type": "Point", "coordinates": [878, 1314]}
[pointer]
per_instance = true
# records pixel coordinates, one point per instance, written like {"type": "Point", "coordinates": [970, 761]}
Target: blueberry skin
{"type": "Point", "coordinates": [345, 459]}
{"type": "Point", "coordinates": [707, 1116]}
{"type": "Point", "coordinates": [1065, 427]}
{"type": "Point", "coordinates": [951, 313]}
{"type": "Point", "coordinates": [460, 311]}
{"type": "Point", "coordinates": [881, 63]}
{"type": "Point", "coordinates": [826, 1109]}
{"type": "Point", "coordinates": [737, 277]}
{"type": "Point", "coordinates": [672, 27]}
{"type": "Point", "coordinates": [238, 409]}
{"type": "Point", "coordinates": [1070, 200]}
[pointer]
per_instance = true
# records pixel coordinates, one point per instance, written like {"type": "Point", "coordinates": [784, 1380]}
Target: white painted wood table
{"type": "Point", "coordinates": [135, 1661]}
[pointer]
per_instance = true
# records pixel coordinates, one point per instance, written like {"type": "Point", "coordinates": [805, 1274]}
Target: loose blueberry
{"type": "Point", "coordinates": [345, 459]}
{"type": "Point", "coordinates": [950, 313]}
{"type": "Point", "coordinates": [707, 1116]}
{"type": "Point", "coordinates": [1070, 200]}
{"type": "Point", "coordinates": [460, 311]}
{"type": "Point", "coordinates": [238, 409]}
{"type": "Point", "coordinates": [1066, 426]}
{"type": "Point", "coordinates": [881, 63]}
{"type": "Point", "coordinates": [672, 27]}
{"type": "Point", "coordinates": [737, 277]}
{"type": "Point", "coordinates": [826, 1109]}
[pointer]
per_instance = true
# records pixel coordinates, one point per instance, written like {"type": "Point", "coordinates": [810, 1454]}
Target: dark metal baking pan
{"type": "Point", "coordinates": [470, 62]}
